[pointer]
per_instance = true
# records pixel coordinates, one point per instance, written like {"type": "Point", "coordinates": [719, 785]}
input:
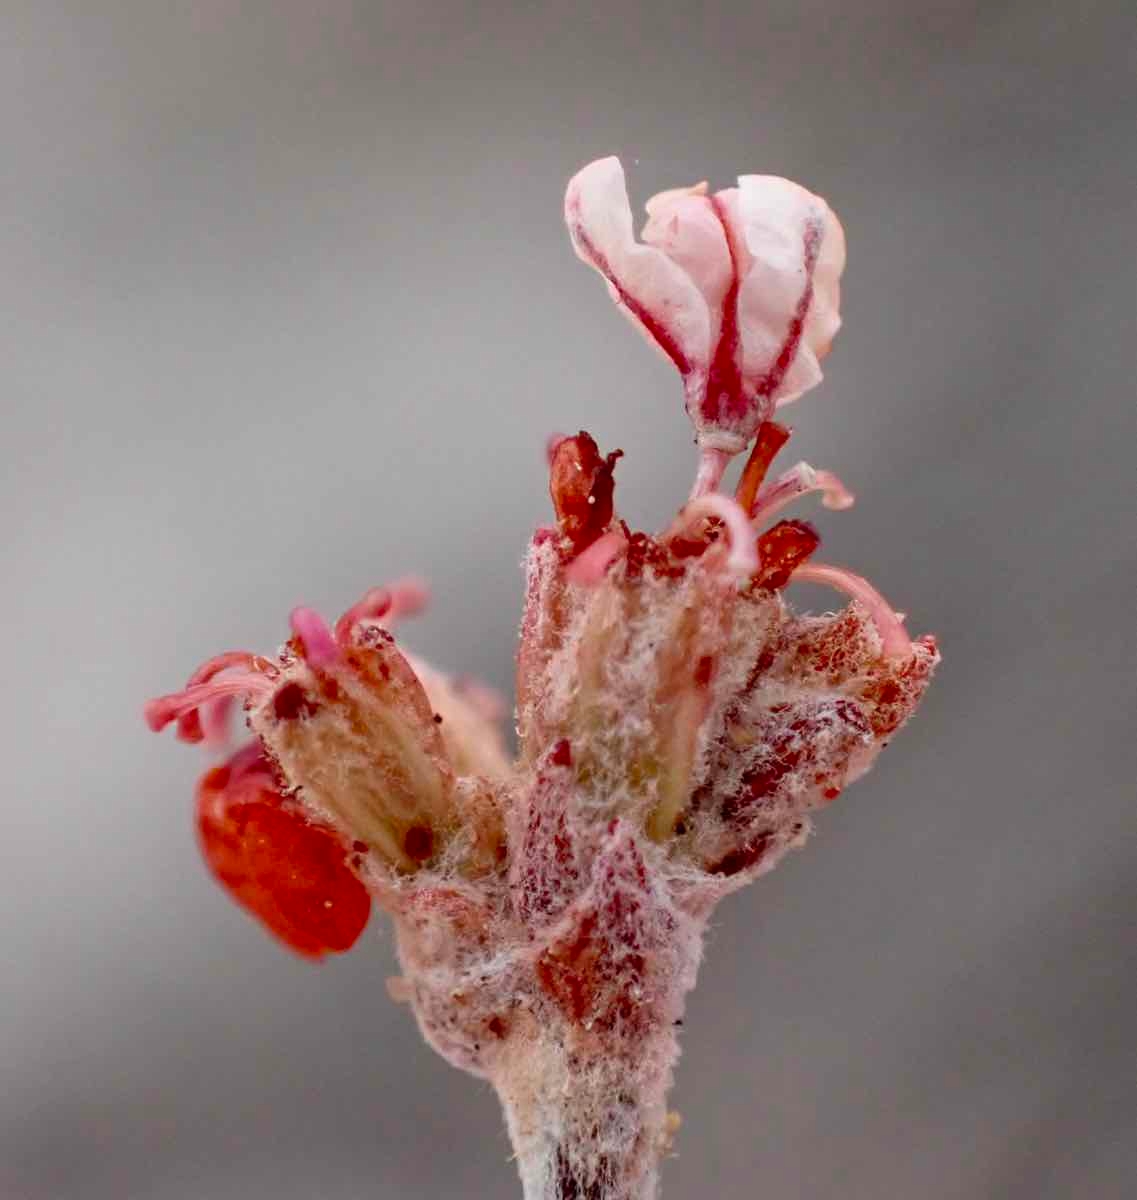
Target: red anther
{"type": "Point", "coordinates": [771, 438]}
{"type": "Point", "coordinates": [291, 873]}
{"type": "Point", "coordinates": [781, 550]}
{"type": "Point", "coordinates": [581, 484]}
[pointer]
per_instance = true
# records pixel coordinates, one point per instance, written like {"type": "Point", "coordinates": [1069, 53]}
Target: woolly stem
{"type": "Point", "coordinates": [587, 1114]}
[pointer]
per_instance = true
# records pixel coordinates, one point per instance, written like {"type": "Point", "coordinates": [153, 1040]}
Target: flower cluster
{"type": "Point", "coordinates": [677, 722]}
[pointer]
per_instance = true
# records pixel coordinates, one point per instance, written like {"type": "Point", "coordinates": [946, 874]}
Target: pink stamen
{"type": "Point", "coordinates": [222, 662]}
{"type": "Point", "coordinates": [894, 640]}
{"type": "Point", "coordinates": [796, 482]}
{"type": "Point", "coordinates": [712, 466]}
{"type": "Point", "coordinates": [215, 721]}
{"type": "Point", "coordinates": [160, 712]}
{"type": "Point", "coordinates": [743, 556]}
{"type": "Point", "coordinates": [190, 727]}
{"type": "Point", "coordinates": [590, 566]}
{"type": "Point", "coordinates": [409, 597]}
{"type": "Point", "coordinates": [374, 604]}
{"type": "Point", "coordinates": [320, 649]}
{"type": "Point", "coordinates": [384, 605]}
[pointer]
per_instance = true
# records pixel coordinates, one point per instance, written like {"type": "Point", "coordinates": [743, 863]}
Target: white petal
{"type": "Point", "coordinates": [788, 306]}
{"type": "Point", "coordinates": [685, 225]}
{"type": "Point", "coordinates": [655, 292]}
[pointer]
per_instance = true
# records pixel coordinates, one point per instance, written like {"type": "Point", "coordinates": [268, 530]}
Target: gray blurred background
{"type": "Point", "coordinates": [288, 310]}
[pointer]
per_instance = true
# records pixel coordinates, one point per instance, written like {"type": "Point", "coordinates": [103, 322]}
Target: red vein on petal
{"type": "Point", "coordinates": [653, 325]}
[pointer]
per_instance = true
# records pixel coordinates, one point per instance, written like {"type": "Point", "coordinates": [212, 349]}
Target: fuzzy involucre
{"type": "Point", "coordinates": [677, 722]}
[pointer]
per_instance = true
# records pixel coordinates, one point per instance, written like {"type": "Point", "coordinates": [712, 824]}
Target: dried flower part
{"type": "Point", "coordinates": [739, 289]}
{"type": "Point", "coordinates": [289, 871]}
{"type": "Point", "coordinates": [581, 484]}
{"type": "Point", "coordinates": [782, 550]}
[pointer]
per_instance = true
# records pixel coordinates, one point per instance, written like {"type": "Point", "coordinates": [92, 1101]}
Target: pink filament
{"type": "Point", "coordinates": [590, 566]}
{"type": "Point", "coordinates": [215, 721]}
{"type": "Point", "coordinates": [894, 640]}
{"type": "Point", "coordinates": [222, 662]}
{"type": "Point", "coordinates": [190, 728]}
{"type": "Point", "coordinates": [800, 481]}
{"type": "Point", "coordinates": [373, 605]}
{"type": "Point", "coordinates": [384, 605]}
{"type": "Point", "coordinates": [743, 556]}
{"type": "Point", "coordinates": [712, 466]}
{"type": "Point", "coordinates": [160, 712]}
{"type": "Point", "coordinates": [320, 649]}
{"type": "Point", "coordinates": [409, 597]}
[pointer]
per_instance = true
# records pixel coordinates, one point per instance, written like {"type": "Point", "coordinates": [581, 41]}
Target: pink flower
{"type": "Point", "coordinates": [678, 723]}
{"type": "Point", "coordinates": [740, 289]}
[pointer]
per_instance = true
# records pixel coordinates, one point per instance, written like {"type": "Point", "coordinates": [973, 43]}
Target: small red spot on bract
{"type": "Point", "coordinates": [291, 702]}
{"type": "Point", "coordinates": [561, 754]}
{"type": "Point", "coordinates": [418, 842]}
{"type": "Point", "coordinates": [289, 872]}
{"type": "Point", "coordinates": [704, 670]}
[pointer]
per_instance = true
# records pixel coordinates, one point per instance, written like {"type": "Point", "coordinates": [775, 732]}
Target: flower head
{"type": "Point", "coordinates": [678, 722]}
{"type": "Point", "coordinates": [739, 289]}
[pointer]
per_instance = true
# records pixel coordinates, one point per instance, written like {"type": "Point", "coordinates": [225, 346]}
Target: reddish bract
{"type": "Point", "coordinates": [289, 872]}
